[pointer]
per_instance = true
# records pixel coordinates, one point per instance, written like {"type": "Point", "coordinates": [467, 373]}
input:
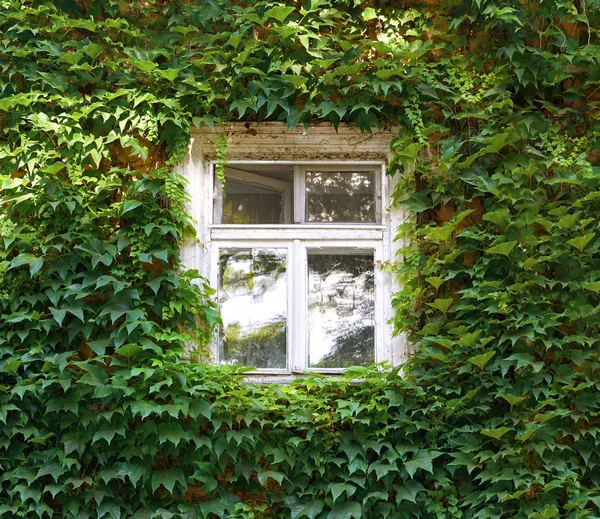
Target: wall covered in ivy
{"type": "Point", "coordinates": [496, 415]}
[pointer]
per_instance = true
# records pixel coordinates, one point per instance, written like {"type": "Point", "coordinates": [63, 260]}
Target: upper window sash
{"type": "Point", "coordinates": [297, 189]}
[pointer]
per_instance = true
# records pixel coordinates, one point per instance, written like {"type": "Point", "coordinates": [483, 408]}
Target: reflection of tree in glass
{"type": "Point", "coordinates": [253, 307]}
{"type": "Point", "coordinates": [247, 204]}
{"type": "Point", "coordinates": [333, 196]}
{"type": "Point", "coordinates": [351, 348]}
{"type": "Point", "coordinates": [260, 348]}
{"type": "Point", "coordinates": [342, 289]}
{"type": "Point", "coordinates": [238, 269]}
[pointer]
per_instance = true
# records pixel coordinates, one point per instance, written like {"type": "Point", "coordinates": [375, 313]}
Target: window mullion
{"type": "Point", "coordinates": [298, 307]}
{"type": "Point", "coordinates": [299, 195]}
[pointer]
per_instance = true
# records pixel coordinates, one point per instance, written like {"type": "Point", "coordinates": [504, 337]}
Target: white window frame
{"type": "Point", "coordinates": [299, 238]}
{"type": "Point", "coordinates": [271, 143]}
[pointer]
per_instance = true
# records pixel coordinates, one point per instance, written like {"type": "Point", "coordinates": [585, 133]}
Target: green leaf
{"type": "Point", "coordinates": [200, 407]}
{"type": "Point", "coordinates": [99, 346]}
{"type": "Point", "coordinates": [35, 263]}
{"type": "Point", "coordinates": [263, 477]}
{"type": "Point", "coordinates": [495, 433]}
{"type": "Point", "coordinates": [171, 432]}
{"type": "Point", "coordinates": [297, 81]}
{"type": "Point", "coordinates": [500, 218]}
{"type": "Point", "coordinates": [129, 350]}
{"type": "Point", "coordinates": [594, 287]}
{"type": "Point", "coordinates": [502, 248]}
{"type": "Point", "coordinates": [422, 460]}
{"type": "Point", "coordinates": [482, 360]}
{"type": "Point", "coordinates": [408, 491]}
{"type": "Point", "coordinates": [130, 205]}
{"type": "Point", "coordinates": [512, 400]}
{"type": "Point", "coordinates": [107, 433]}
{"type": "Point", "coordinates": [279, 12]}
{"type": "Point", "coordinates": [338, 489]}
{"type": "Point", "coordinates": [442, 305]}
{"type": "Point", "coordinates": [369, 14]}
{"type": "Point", "coordinates": [441, 233]}
{"type": "Point", "coordinates": [310, 509]}
{"type": "Point", "coordinates": [581, 241]}
{"type": "Point", "coordinates": [435, 281]}
{"type": "Point", "coordinates": [58, 315]}
{"type": "Point", "coordinates": [168, 479]}
{"type": "Point", "coordinates": [11, 366]}
{"type": "Point", "coordinates": [96, 375]}
{"type": "Point", "coordinates": [134, 471]}
{"type": "Point", "coordinates": [345, 510]}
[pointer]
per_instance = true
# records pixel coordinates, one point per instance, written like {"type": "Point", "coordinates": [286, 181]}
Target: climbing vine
{"type": "Point", "coordinates": [101, 412]}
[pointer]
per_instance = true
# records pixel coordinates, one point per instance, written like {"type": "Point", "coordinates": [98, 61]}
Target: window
{"type": "Point", "coordinates": [294, 249]}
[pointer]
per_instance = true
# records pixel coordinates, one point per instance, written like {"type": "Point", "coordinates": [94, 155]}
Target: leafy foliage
{"type": "Point", "coordinates": [497, 416]}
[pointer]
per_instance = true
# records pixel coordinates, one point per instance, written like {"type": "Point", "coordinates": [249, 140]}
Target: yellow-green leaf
{"type": "Point", "coordinates": [482, 360]}
{"type": "Point", "coordinates": [502, 248]}
{"type": "Point", "coordinates": [495, 433]}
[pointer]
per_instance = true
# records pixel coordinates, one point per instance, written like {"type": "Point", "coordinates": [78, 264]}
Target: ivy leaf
{"type": "Point", "coordinates": [581, 241]}
{"type": "Point", "coordinates": [495, 433]}
{"type": "Point", "coordinates": [50, 469]}
{"type": "Point", "coordinates": [422, 460]}
{"type": "Point", "coordinates": [512, 400]}
{"type": "Point", "coordinates": [408, 491]}
{"type": "Point", "coordinates": [172, 432]}
{"type": "Point", "coordinates": [279, 12]}
{"type": "Point", "coordinates": [369, 14]}
{"type": "Point", "coordinates": [35, 263]}
{"type": "Point", "coordinates": [168, 479]}
{"type": "Point", "coordinates": [134, 471]}
{"type": "Point", "coordinates": [297, 81]}
{"type": "Point", "coordinates": [308, 509]}
{"type": "Point", "coordinates": [11, 366]}
{"type": "Point", "coordinates": [345, 510]}
{"type": "Point", "coordinates": [129, 350]}
{"type": "Point", "coordinates": [200, 407]}
{"type": "Point", "coordinates": [263, 477]}
{"type": "Point", "coordinates": [58, 315]}
{"type": "Point", "coordinates": [502, 248]}
{"type": "Point", "coordinates": [130, 205]}
{"type": "Point", "coordinates": [418, 201]}
{"type": "Point", "coordinates": [99, 346]}
{"type": "Point", "coordinates": [500, 218]}
{"type": "Point", "coordinates": [338, 489]}
{"type": "Point", "coordinates": [109, 508]}
{"type": "Point", "coordinates": [435, 281]}
{"type": "Point", "coordinates": [594, 287]}
{"type": "Point", "coordinates": [442, 233]}
{"type": "Point", "coordinates": [482, 360]}
{"type": "Point", "coordinates": [442, 305]}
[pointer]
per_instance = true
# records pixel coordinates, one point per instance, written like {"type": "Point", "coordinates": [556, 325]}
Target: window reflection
{"type": "Point", "coordinates": [341, 310]}
{"type": "Point", "coordinates": [253, 299]}
{"type": "Point", "coordinates": [246, 204]}
{"type": "Point", "coordinates": [334, 196]}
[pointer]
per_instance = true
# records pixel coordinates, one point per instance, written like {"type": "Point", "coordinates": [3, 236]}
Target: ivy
{"type": "Point", "coordinates": [102, 414]}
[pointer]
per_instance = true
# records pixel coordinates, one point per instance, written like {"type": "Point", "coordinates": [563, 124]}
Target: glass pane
{"type": "Point", "coordinates": [334, 196]}
{"type": "Point", "coordinates": [341, 310]}
{"type": "Point", "coordinates": [253, 298]}
{"type": "Point", "coordinates": [248, 203]}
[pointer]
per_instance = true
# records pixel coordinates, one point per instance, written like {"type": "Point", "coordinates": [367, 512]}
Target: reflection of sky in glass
{"type": "Point", "coordinates": [245, 308]}
{"type": "Point", "coordinates": [253, 303]}
{"type": "Point", "coordinates": [340, 310]}
{"type": "Point", "coordinates": [334, 196]}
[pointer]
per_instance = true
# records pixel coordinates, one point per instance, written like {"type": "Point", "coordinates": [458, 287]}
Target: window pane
{"type": "Point", "coordinates": [341, 310]}
{"type": "Point", "coordinates": [253, 297]}
{"type": "Point", "coordinates": [248, 203]}
{"type": "Point", "coordinates": [334, 196]}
